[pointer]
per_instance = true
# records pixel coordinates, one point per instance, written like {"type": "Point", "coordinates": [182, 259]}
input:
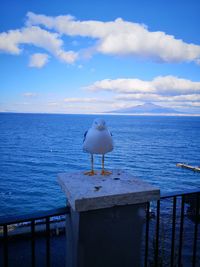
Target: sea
{"type": "Point", "coordinates": [34, 148]}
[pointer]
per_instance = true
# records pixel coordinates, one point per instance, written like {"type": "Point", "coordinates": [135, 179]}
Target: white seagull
{"type": "Point", "coordinates": [98, 140]}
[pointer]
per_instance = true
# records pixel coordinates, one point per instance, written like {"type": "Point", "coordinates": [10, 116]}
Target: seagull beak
{"type": "Point", "coordinates": [100, 127]}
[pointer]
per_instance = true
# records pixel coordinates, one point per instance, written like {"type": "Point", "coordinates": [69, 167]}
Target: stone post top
{"type": "Point", "coordinates": [96, 192]}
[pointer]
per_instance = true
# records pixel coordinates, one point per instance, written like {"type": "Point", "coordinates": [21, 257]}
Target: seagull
{"type": "Point", "coordinates": [98, 140]}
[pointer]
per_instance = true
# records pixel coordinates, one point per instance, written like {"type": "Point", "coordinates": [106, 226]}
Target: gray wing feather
{"type": "Point", "coordinates": [85, 134]}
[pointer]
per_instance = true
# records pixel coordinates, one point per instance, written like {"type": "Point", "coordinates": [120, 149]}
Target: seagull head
{"type": "Point", "coordinates": [99, 124]}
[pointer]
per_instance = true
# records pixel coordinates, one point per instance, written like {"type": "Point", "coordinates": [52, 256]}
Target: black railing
{"type": "Point", "coordinates": [171, 229]}
{"type": "Point", "coordinates": [176, 208]}
{"type": "Point", "coordinates": [43, 219]}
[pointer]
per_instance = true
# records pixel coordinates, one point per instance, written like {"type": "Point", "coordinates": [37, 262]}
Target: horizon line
{"type": "Point", "coordinates": [106, 113]}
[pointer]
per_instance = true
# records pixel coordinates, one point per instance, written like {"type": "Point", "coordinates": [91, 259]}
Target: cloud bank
{"type": "Point", "coordinates": [121, 37]}
{"type": "Point", "coordinates": [163, 85]}
{"type": "Point", "coordinates": [118, 37]}
{"type": "Point", "coordinates": [168, 89]}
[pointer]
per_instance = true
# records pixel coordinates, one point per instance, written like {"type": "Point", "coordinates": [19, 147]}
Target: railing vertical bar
{"type": "Point", "coordinates": [195, 231]}
{"type": "Point", "coordinates": [33, 243]}
{"type": "Point", "coordinates": [181, 230]}
{"type": "Point", "coordinates": [5, 245]}
{"type": "Point", "coordinates": [147, 235]}
{"type": "Point", "coordinates": [47, 242]}
{"type": "Point", "coordinates": [157, 233]}
{"type": "Point", "coordinates": [173, 231]}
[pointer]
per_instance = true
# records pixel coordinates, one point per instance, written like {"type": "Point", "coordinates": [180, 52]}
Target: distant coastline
{"type": "Point", "coordinates": [156, 115]}
{"type": "Point", "coordinates": [150, 109]}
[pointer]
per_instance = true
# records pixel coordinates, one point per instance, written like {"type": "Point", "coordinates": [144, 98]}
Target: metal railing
{"type": "Point", "coordinates": [174, 221]}
{"type": "Point", "coordinates": [171, 211]}
{"type": "Point", "coordinates": [44, 218]}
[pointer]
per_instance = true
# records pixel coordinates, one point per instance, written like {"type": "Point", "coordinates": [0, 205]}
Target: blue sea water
{"type": "Point", "coordinates": [35, 147]}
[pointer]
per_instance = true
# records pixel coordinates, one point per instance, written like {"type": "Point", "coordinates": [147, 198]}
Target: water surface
{"type": "Point", "coordinates": [35, 147]}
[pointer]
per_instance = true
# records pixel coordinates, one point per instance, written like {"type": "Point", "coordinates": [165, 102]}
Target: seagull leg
{"type": "Point", "coordinates": [104, 172]}
{"type": "Point", "coordinates": [92, 172]}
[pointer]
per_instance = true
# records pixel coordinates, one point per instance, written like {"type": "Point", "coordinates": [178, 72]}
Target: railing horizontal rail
{"type": "Point", "coordinates": [64, 210]}
{"type": "Point", "coordinates": [179, 193]}
{"type": "Point", "coordinates": [34, 216]}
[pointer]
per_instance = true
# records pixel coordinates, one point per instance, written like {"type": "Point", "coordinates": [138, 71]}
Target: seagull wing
{"type": "Point", "coordinates": [85, 134]}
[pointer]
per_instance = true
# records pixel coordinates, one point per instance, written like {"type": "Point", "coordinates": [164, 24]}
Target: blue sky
{"type": "Point", "coordinates": [96, 56]}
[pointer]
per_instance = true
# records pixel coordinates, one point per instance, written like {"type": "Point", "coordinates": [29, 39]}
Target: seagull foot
{"type": "Point", "coordinates": [105, 173]}
{"type": "Point", "coordinates": [90, 173]}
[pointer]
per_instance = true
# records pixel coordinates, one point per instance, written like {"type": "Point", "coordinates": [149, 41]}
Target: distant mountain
{"type": "Point", "coordinates": [147, 108]}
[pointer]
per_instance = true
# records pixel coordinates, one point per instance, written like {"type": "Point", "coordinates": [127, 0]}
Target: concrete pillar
{"type": "Point", "coordinates": [105, 225]}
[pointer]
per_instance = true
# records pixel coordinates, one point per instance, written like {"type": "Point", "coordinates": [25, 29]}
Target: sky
{"type": "Point", "coordinates": [98, 56]}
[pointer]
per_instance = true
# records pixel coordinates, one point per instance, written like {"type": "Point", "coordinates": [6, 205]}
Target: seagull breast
{"type": "Point", "coordinates": [98, 141]}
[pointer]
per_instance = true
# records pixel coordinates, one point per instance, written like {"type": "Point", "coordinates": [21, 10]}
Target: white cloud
{"type": "Point", "coordinates": [53, 104]}
{"type": "Point", "coordinates": [162, 85]}
{"type": "Point", "coordinates": [29, 94]}
{"type": "Point", "coordinates": [121, 86]}
{"type": "Point", "coordinates": [158, 98]}
{"type": "Point", "coordinates": [118, 37]}
{"type": "Point", "coordinates": [165, 90]}
{"type": "Point", "coordinates": [172, 85]}
{"type": "Point", "coordinates": [38, 60]}
{"type": "Point", "coordinates": [194, 104]}
{"type": "Point", "coordinates": [10, 42]}
{"type": "Point", "coordinates": [79, 100]}
{"type": "Point", "coordinates": [86, 100]}
{"type": "Point", "coordinates": [121, 37]}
